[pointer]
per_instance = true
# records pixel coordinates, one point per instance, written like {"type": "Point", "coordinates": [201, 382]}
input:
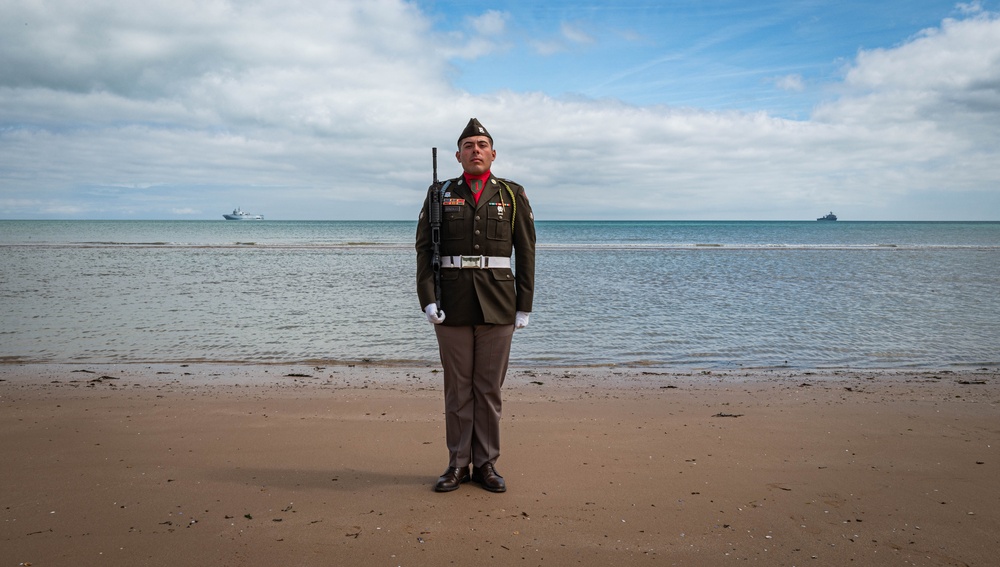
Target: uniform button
{"type": "Point", "coordinates": [477, 232]}
{"type": "Point", "coordinates": [477, 217]}
{"type": "Point", "coordinates": [476, 247]}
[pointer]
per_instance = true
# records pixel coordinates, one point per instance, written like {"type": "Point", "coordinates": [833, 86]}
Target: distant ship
{"type": "Point", "coordinates": [830, 217]}
{"type": "Point", "coordinates": [238, 214]}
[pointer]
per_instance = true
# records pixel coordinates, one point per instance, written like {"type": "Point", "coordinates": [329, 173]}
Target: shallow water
{"type": "Point", "coordinates": [685, 294]}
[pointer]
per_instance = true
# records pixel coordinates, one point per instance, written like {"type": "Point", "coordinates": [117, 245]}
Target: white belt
{"type": "Point", "coordinates": [481, 262]}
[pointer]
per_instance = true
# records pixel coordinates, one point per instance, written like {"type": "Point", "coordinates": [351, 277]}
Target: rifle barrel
{"type": "Point", "coordinates": [434, 160]}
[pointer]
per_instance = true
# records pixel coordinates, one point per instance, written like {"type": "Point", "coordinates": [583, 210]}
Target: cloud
{"type": "Point", "coordinates": [575, 35]}
{"type": "Point", "coordinates": [158, 48]}
{"type": "Point", "coordinates": [549, 47]}
{"type": "Point", "coordinates": [970, 8]}
{"type": "Point", "coordinates": [481, 35]}
{"type": "Point", "coordinates": [568, 35]}
{"type": "Point", "coordinates": [946, 78]}
{"type": "Point", "coordinates": [492, 22]}
{"type": "Point", "coordinates": [790, 83]}
{"type": "Point", "coordinates": [327, 110]}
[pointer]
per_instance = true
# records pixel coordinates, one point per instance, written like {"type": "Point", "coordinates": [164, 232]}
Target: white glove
{"type": "Point", "coordinates": [432, 314]}
{"type": "Point", "coordinates": [521, 319]}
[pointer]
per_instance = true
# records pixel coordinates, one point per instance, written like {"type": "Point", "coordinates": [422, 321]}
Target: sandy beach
{"type": "Point", "coordinates": [207, 464]}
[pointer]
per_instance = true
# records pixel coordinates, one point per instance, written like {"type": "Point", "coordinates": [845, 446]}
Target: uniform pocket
{"type": "Point", "coordinates": [502, 274]}
{"type": "Point", "coordinates": [453, 227]}
{"type": "Point", "coordinates": [498, 222]}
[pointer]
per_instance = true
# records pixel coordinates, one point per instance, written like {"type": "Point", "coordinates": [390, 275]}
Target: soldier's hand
{"type": "Point", "coordinates": [521, 320]}
{"type": "Point", "coordinates": [434, 316]}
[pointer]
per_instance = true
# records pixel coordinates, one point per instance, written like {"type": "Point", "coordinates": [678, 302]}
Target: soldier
{"type": "Point", "coordinates": [485, 220]}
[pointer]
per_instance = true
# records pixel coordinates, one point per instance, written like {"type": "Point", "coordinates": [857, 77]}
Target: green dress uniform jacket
{"type": "Point", "coordinates": [499, 225]}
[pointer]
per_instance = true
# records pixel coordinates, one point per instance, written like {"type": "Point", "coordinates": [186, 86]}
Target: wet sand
{"type": "Point", "coordinates": [297, 465]}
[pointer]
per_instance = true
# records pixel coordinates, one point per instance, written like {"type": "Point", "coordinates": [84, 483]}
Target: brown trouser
{"type": "Point", "coordinates": [475, 364]}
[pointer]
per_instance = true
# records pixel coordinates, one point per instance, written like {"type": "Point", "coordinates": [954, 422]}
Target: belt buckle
{"type": "Point", "coordinates": [472, 261]}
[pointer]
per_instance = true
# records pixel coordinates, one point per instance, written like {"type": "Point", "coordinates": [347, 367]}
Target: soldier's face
{"type": "Point", "coordinates": [476, 154]}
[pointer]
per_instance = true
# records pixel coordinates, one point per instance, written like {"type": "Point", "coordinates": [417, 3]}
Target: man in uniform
{"type": "Point", "coordinates": [484, 221]}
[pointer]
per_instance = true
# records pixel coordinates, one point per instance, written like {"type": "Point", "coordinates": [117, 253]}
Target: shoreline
{"type": "Point", "coordinates": [251, 464]}
{"type": "Point", "coordinates": [264, 369]}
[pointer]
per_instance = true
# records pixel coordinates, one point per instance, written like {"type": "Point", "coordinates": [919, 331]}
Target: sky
{"type": "Point", "coordinates": [603, 110]}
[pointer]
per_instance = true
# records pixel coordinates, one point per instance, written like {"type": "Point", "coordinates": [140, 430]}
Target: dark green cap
{"type": "Point", "coordinates": [474, 128]}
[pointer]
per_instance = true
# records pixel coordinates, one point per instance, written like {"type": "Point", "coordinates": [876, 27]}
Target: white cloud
{"type": "Point", "coordinates": [944, 82]}
{"type": "Point", "coordinates": [568, 35]}
{"type": "Point", "coordinates": [575, 34]}
{"type": "Point", "coordinates": [482, 35]}
{"type": "Point", "coordinates": [492, 22]}
{"type": "Point", "coordinates": [969, 8]}
{"type": "Point", "coordinates": [549, 47]}
{"type": "Point", "coordinates": [790, 83]}
{"type": "Point", "coordinates": [327, 110]}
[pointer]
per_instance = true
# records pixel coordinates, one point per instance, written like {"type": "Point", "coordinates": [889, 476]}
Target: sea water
{"type": "Point", "coordinates": [675, 294]}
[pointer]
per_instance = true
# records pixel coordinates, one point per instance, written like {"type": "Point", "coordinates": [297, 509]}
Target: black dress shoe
{"type": "Point", "coordinates": [488, 478]}
{"type": "Point", "coordinates": [452, 479]}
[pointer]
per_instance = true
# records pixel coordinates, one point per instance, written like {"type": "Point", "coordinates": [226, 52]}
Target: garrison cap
{"type": "Point", "coordinates": [474, 128]}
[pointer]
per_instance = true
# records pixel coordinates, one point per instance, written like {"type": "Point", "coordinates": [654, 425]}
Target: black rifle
{"type": "Point", "coordinates": [435, 214]}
